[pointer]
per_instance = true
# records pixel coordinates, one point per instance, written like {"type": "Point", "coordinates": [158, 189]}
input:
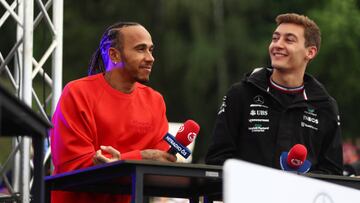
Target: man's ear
{"type": "Point", "coordinates": [114, 55]}
{"type": "Point", "coordinates": [311, 52]}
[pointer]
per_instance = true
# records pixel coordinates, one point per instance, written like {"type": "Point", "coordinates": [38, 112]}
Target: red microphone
{"type": "Point", "coordinates": [297, 156]}
{"type": "Point", "coordinates": [185, 135]}
{"type": "Point", "coordinates": [187, 132]}
{"type": "Point", "coordinates": [295, 160]}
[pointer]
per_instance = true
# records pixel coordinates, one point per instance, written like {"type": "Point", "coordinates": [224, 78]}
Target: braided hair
{"type": "Point", "coordinates": [110, 38]}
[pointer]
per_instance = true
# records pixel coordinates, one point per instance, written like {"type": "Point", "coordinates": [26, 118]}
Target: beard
{"type": "Point", "coordinates": [134, 72]}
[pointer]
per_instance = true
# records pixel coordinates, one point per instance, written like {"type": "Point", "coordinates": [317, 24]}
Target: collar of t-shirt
{"type": "Point", "coordinates": [285, 95]}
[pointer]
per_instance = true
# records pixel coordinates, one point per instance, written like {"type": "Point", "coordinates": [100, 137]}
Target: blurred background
{"type": "Point", "coordinates": [203, 46]}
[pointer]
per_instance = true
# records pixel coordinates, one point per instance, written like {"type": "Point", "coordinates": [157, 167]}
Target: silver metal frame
{"type": "Point", "coordinates": [21, 74]}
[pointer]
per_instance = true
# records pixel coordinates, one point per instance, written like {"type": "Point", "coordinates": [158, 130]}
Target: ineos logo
{"type": "Point", "coordinates": [323, 198]}
{"type": "Point", "coordinates": [191, 136]}
{"type": "Point", "coordinates": [310, 119]}
{"type": "Point", "coordinates": [259, 99]}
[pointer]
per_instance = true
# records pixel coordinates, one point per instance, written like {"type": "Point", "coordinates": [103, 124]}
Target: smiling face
{"type": "Point", "coordinates": [136, 57]}
{"type": "Point", "coordinates": [287, 49]}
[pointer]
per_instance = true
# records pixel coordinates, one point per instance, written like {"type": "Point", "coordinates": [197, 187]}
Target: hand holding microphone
{"type": "Point", "coordinates": [185, 135]}
{"type": "Point", "coordinates": [157, 155]}
{"type": "Point", "coordinates": [295, 160]}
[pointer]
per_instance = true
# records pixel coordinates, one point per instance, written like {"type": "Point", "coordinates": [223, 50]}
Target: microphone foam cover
{"type": "Point", "coordinates": [187, 132]}
{"type": "Point", "coordinates": [296, 156]}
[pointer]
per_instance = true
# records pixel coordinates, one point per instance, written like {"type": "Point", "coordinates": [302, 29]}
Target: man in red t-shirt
{"type": "Point", "coordinates": [110, 115]}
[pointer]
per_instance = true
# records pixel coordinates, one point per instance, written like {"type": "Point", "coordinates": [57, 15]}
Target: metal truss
{"type": "Point", "coordinates": [21, 71]}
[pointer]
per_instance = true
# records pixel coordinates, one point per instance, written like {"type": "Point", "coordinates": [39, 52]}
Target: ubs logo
{"type": "Point", "coordinates": [323, 198]}
{"type": "Point", "coordinates": [259, 112]}
{"type": "Point", "coordinates": [258, 99]}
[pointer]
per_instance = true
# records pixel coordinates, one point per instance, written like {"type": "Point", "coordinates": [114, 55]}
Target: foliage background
{"type": "Point", "coordinates": [202, 47]}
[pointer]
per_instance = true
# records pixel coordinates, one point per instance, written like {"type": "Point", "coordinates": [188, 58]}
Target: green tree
{"type": "Point", "coordinates": [202, 47]}
{"type": "Point", "coordinates": [337, 65]}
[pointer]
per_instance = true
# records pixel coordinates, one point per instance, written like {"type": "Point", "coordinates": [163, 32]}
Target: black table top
{"type": "Point", "coordinates": [16, 118]}
{"type": "Point", "coordinates": [159, 179]}
{"type": "Point", "coordinates": [353, 182]}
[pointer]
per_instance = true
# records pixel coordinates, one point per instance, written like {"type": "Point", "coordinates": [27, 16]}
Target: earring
{"type": "Point", "coordinates": [115, 62]}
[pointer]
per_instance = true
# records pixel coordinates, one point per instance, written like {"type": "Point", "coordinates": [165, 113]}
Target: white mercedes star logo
{"type": "Point", "coordinates": [259, 99]}
{"type": "Point", "coordinates": [323, 198]}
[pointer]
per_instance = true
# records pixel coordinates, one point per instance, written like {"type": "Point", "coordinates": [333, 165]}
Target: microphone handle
{"type": "Point", "coordinates": [172, 151]}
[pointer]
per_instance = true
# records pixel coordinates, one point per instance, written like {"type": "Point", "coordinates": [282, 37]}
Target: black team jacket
{"type": "Point", "coordinates": [253, 125]}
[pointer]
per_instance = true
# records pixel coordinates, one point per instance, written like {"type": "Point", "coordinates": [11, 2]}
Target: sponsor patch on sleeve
{"type": "Point", "coordinates": [223, 106]}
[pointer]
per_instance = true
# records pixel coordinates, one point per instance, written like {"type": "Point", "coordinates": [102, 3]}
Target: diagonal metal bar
{"type": "Point", "coordinates": [49, 98]}
{"type": "Point", "coordinates": [17, 68]}
{"type": "Point", "coordinates": [6, 181]}
{"type": "Point", "coordinates": [10, 157]}
{"type": "Point", "coordinates": [40, 106]}
{"type": "Point", "coordinates": [41, 15]}
{"type": "Point", "coordinates": [47, 155]}
{"type": "Point", "coordinates": [7, 13]}
{"type": "Point", "coordinates": [8, 72]}
{"type": "Point", "coordinates": [47, 18]}
{"type": "Point", "coordinates": [42, 61]}
{"type": "Point", "coordinates": [32, 177]}
{"type": "Point", "coordinates": [11, 53]}
{"type": "Point", "coordinates": [11, 78]}
{"type": "Point", "coordinates": [48, 80]}
{"type": "Point", "coordinates": [12, 13]}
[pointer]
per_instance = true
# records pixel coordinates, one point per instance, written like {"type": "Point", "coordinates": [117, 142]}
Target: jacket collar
{"type": "Point", "coordinates": [314, 90]}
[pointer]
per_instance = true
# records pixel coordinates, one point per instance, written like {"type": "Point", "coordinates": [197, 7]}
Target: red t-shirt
{"type": "Point", "coordinates": [90, 113]}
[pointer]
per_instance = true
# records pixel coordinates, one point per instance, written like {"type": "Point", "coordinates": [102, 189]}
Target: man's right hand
{"type": "Point", "coordinates": [99, 158]}
{"type": "Point", "coordinates": [158, 155]}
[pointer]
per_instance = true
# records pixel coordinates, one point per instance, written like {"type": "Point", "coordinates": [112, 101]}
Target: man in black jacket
{"type": "Point", "coordinates": [272, 109]}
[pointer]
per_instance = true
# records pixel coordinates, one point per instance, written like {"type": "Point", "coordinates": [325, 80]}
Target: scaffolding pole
{"type": "Point", "coordinates": [21, 68]}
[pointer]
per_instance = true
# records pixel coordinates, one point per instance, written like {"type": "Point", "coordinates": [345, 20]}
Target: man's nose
{"type": "Point", "coordinates": [279, 43]}
{"type": "Point", "coordinates": [149, 57]}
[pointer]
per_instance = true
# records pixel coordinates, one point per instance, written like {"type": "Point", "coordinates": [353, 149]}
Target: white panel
{"type": "Point", "coordinates": [245, 182]}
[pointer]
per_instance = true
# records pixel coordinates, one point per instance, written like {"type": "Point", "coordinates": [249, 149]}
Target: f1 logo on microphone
{"type": "Point", "coordinates": [181, 128]}
{"type": "Point", "coordinates": [191, 136]}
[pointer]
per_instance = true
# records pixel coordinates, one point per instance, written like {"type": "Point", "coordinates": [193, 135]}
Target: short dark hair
{"type": "Point", "coordinates": [312, 32]}
{"type": "Point", "coordinates": [112, 37]}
